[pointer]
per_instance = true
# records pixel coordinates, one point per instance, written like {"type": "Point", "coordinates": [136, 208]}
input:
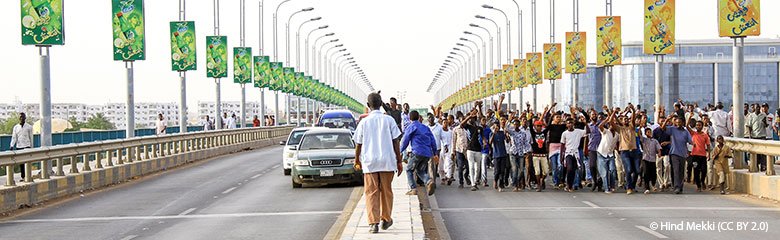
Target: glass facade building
{"type": "Point", "coordinates": [699, 72]}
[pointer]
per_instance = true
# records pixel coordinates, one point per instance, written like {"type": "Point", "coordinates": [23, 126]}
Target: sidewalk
{"type": "Point", "coordinates": [407, 220]}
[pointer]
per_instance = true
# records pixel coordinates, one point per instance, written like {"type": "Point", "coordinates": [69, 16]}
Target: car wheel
{"type": "Point", "coordinates": [287, 172]}
{"type": "Point", "coordinates": [296, 185]}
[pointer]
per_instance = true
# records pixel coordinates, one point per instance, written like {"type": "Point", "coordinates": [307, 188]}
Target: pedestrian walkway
{"type": "Point", "coordinates": [407, 220]}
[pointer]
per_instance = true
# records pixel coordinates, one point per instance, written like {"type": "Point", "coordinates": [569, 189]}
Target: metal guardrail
{"type": "Point", "coordinates": [753, 147]}
{"type": "Point", "coordinates": [121, 151]}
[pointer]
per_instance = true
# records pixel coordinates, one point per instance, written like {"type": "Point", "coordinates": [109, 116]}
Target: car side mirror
{"type": "Point", "coordinates": [283, 143]}
{"type": "Point", "coordinates": [294, 148]}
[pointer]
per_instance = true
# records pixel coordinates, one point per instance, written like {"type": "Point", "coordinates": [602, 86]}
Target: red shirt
{"type": "Point", "coordinates": [701, 141]}
{"type": "Point", "coordinates": [256, 123]}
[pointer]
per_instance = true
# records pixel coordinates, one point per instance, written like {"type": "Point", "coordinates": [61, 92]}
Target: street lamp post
{"type": "Point", "coordinates": [276, 58]}
{"type": "Point", "coordinates": [287, 58]}
{"type": "Point", "coordinates": [508, 47]}
{"type": "Point", "coordinates": [298, 63]}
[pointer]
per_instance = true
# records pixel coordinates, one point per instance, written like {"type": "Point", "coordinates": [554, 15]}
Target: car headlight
{"type": "Point", "coordinates": [349, 161]}
{"type": "Point", "coordinates": [301, 162]}
{"type": "Point", "coordinates": [291, 155]}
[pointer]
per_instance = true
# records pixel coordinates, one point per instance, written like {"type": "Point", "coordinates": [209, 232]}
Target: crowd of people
{"type": "Point", "coordinates": [611, 149]}
{"type": "Point", "coordinates": [608, 150]}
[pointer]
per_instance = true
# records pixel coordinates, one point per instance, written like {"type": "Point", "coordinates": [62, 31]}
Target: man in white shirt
{"type": "Point", "coordinates": [22, 137]}
{"type": "Point", "coordinates": [231, 122]}
{"type": "Point", "coordinates": [606, 153]}
{"type": "Point", "coordinates": [436, 130]}
{"type": "Point", "coordinates": [378, 154]}
{"type": "Point", "coordinates": [571, 139]}
{"type": "Point", "coordinates": [208, 124]}
{"type": "Point", "coordinates": [720, 121]}
{"type": "Point", "coordinates": [161, 124]}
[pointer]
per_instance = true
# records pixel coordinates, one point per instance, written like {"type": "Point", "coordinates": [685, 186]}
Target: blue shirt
{"type": "Point", "coordinates": [661, 137]}
{"type": "Point", "coordinates": [485, 137]}
{"type": "Point", "coordinates": [680, 140]}
{"type": "Point", "coordinates": [499, 146]}
{"type": "Point", "coordinates": [594, 138]}
{"type": "Point", "coordinates": [423, 143]}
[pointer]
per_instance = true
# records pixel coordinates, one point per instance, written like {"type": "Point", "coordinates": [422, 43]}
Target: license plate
{"type": "Point", "coordinates": [326, 172]}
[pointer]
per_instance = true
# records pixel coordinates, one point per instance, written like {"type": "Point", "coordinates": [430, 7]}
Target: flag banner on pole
{"type": "Point", "coordinates": [659, 27]}
{"type": "Point", "coordinates": [609, 41]}
{"type": "Point", "coordinates": [519, 72]}
{"type": "Point", "coordinates": [576, 55]}
{"type": "Point", "coordinates": [298, 84]}
{"type": "Point", "coordinates": [42, 22]}
{"type": "Point", "coordinates": [242, 65]}
{"type": "Point", "coordinates": [127, 22]}
{"type": "Point", "coordinates": [739, 18]}
{"type": "Point", "coordinates": [183, 56]}
{"type": "Point", "coordinates": [506, 77]}
{"type": "Point", "coordinates": [216, 56]}
{"type": "Point", "coordinates": [276, 76]}
{"type": "Point", "coordinates": [287, 79]}
{"type": "Point", "coordinates": [552, 61]}
{"type": "Point", "coordinates": [262, 71]}
{"type": "Point", "coordinates": [534, 68]}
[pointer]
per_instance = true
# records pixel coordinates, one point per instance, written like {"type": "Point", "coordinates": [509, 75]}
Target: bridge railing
{"type": "Point", "coordinates": [752, 148]}
{"type": "Point", "coordinates": [121, 151]}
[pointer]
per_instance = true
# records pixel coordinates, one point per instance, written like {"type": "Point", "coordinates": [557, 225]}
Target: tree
{"type": "Point", "coordinates": [75, 125]}
{"type": "Point", "coordinates": [98, 121]}
{"type": "Point", "coordinates": [7, 125]}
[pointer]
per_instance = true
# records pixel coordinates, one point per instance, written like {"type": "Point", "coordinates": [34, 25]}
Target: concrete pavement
{"type": "Point", "coordinates": [239, 196]}
{"type": "Point", "coordinates": [407, 221]}
{"type": "Point", "coordinates": [593, 215]}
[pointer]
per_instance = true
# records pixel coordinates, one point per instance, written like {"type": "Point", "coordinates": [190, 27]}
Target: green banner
{"type": "Point", "coordinates": [216, 56]}
{"type": "Point", "coordinates": [289, 78]}
{"type": "Point", "coordinates": [307, 86]}
{"type": "Point", "coordinates": [262, 69]}
{"type": "Point", "coordinates": [242, 65]}
{"type": "Point", "coordinates": [183, 57]}
{"type": "Point", "coordinates": [277, 74]}
{"type": "Point", "coordinates": [42, 22]}
{"type": "Point", "coordinates": [298, 84]}
{"type": "Point", "coordinates": [128, 25]}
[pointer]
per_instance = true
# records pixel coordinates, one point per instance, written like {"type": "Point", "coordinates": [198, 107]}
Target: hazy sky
{"type": "Point", "coordinates": [399, 44]}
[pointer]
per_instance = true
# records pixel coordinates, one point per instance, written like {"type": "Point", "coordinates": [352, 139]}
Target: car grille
{"type": "Point", "coordinates": [326, 163]}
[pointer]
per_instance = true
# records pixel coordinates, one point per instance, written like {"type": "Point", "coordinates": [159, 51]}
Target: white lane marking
{"type": "Point", "coordinates": [257, 176]}
{"type": "Point", "coordinates": [762, 209]}
{"type": "Point", "coordinates": [276, 166]}
{"type": "Point", "coordinates": [593, 205]}
{"type": "Point", "coordinates": [129, 237]}
{"type": "Point", "coordinates": [194, 216]}
{"type": "Point", "coordinates": [229, 190]}
{"type": "Point", "coordinates": [650, 231]}
{"type": "Point", "coordinates": [187, 211]}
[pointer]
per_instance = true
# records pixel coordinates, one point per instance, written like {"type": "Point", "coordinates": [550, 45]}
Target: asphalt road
{"type": "Point", "coordinates": [239, 196]}
{"type": "Point", "coordinates": [487, 214]}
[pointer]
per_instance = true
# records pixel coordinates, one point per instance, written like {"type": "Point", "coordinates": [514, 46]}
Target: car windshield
{"type": "Point", "coordinates": [295, 137]}
{"type": "Point", "coordinates": [327, 141]}
{"type": "Point", "coordinates": [339, 123]}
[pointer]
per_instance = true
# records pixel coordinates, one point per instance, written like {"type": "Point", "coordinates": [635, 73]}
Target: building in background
{"type": "Point", "coordinates": [145, 113]}
{"type": "Point", "coordinates": [699, 72]}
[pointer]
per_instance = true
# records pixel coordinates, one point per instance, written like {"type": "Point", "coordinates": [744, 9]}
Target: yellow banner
{"type": "Point", "coordinates": [739, 18]}
{"type": "Point", "coordinates": [576, 55]}
{"type": "Point", "coordinates": [507, 80]}
{"type": "Point", "coordinates": [609, 41]}
{"type": "Point", "coordinates": [519, 72]}
{"type": "Point", "coordinates": [533, 71]}
{"type": "Point", "coordinates": [552, 61]}
{"type": "Point", "coordinates": [659, 27]}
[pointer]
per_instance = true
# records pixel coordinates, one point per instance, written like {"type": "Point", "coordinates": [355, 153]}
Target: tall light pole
{"type": "Point", "coordinates": [508, 47]}
{"type": "Point", "coordinates": [306, 46]}
{"type": "Point", "coordinates": [298, 63]}
{"type": "Point", "coordinates": [276, 58]}
{"type": "Point", "coordinates": [242, 33]}
{"type": "Point", "coordinates": [260, 53]}
{"type": "Point", "coordinates": [490, 37]}
{"type": "Point", "coordinates": [287, 58]}
{"type": "Point", "coordinates": [498, 37]}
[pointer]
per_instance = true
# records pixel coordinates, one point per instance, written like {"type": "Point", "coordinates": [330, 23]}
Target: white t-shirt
{"type": "Point", "coordinates": [161, 124]}
{"type": "Point", "coordinates": [230, 123]}
{"type": "Point", "coordinates": [436, 131]}
{"type": "Point", "coordinates": [608, 143]}
{"type": "Point", "coordinates": [571, 139]}
{"type": "Point", "coordinates": [446, 139]}
{"type": "Point", "coordinates": [376, 133]}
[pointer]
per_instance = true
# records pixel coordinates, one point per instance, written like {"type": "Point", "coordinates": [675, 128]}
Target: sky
{"type": "Point", "coordinates": [399, 44]}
